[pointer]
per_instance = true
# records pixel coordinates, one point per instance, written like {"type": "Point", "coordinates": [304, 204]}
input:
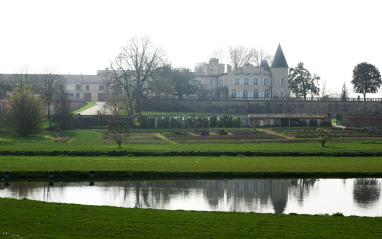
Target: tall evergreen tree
{"type": "Point", "coordinates": [344, 92]}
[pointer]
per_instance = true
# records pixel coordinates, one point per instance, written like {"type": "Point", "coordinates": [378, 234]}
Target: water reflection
{"type": "Point", "coordinates": [308, 196]}
{"type": "Point", "coordinates": [366, 191]}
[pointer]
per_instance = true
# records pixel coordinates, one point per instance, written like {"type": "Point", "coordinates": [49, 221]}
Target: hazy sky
{"type": "Point", "coordinates": [78, 36]}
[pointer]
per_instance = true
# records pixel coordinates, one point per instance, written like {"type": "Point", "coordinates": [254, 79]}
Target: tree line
{"type": "Point", "coordinates": [366, 79]}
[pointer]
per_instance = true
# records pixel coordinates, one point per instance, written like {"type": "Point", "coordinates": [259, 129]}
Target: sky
{"type": "Point", "coordinates": [83, 36]}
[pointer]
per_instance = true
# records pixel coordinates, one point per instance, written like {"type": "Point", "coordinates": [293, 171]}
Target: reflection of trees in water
{"type": "Point", "coordinates": [33, 190]}
{"type": "Point", "coordinates": [238, 195]}
{"type": "Point", "coordinates": [301, 187]}
{"type": "Point", "coordinates": [366, 191]}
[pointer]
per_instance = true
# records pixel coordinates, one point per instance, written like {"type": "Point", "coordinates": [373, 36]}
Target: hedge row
{"type": "Point", "coordinates": [166, 122]}
{"type": "Point", "coordinates": [188, 153]}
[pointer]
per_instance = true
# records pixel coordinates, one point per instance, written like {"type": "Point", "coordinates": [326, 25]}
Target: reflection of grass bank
{"type": "Point", "coordinates": [33, 219]}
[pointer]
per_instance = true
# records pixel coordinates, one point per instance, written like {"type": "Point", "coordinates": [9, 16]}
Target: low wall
{"type": "Point", "coordinates": [362, 120]}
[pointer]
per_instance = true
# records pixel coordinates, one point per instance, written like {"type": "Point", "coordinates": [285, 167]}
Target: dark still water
{"type": "Point", "coordinates": [359, 197]}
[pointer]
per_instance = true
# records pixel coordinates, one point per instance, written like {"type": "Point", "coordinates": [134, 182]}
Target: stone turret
{"type": "Point", "coordinates": [279, 73]}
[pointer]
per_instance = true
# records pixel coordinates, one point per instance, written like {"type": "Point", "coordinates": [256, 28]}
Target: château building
{"type": "Point", "coordinates": [248, 82]}
{"type": "Point", "coordinates": [219, 80]}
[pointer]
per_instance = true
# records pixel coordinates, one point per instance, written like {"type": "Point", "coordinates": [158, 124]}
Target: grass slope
{"type": "Point", "coordinates": [89, 140]}
{"type": "Point", "coordinates": [33, 219]}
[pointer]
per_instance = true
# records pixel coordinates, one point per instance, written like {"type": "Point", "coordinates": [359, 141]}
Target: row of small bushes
{"type": "Point", "coordinates": [188, 153]}
{"type": "Point", "coordinates": [147, 122]}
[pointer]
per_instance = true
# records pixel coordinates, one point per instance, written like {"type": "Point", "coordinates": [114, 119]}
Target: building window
{"type": "Point", "coordinates": [233, 93]}
{"type": "Point", "coordinates": [281, 81]}
{"type": "Point", "coordinates": [87, 87]}
{"type": "Point", "coordinates": [282, 93]}
{"type": "Point", "coordinates": [256, 81]}
{"type": "Point", "coordinates": [256, 94]}
{"type": "Point", "coordinates": [101, 87]}
{"type": "Point", "coordinates": [246, 81]}
{"type": "Point", "coordinates": [78, 87]}
{"type": "Point", "coordinates": [237, 81]}
{"type": "Point", "coordinates": [245, 94]}
{"type": "Point", "coordinates": [264, 81]}
{"type": "Point", "coordinates": [78, 95]}
{"type": "Point", "coordinates": [212, 83]}
{"type": "Point", "coordinates": [266, 94]}
{"type": "Point", "coordinates": [270, 81]}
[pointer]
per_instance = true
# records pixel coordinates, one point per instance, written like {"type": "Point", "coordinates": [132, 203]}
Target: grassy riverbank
{"type": "Point", "coordinates": [27, 167]}
{"type": "Point", "coordinates": [33, 219]}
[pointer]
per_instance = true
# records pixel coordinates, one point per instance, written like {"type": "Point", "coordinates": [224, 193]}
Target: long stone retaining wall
{"type": "Point", "coordinates": [270, 106]}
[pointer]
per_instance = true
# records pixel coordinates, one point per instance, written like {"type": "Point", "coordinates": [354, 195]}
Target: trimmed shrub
{"type": "Point", "coordinates": [313, 123]}
{"type": "Point", "coordinates": [213, 121]}
{"type": "Point", "coordinates": [302, 123]}
{"type": "Point", "coordinates": [237, 121]}
{"type": "Point", "coordinates": [225, 121]}
{"type": "Point", "coordinates": [326, 124]}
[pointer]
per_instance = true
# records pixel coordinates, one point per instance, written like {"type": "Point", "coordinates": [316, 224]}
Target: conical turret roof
{"type": "Point", "coordinates": [264, 64]}
{"type": "Point", "coordinates": [279, 59]}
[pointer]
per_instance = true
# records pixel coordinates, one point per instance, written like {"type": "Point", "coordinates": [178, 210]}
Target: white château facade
{"type": "Point", "coordinates": [248, 82]}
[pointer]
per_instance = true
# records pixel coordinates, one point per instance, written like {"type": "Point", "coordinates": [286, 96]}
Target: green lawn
{"type": "Point", "coordinates": [192, 164]}
{"type": "Point", "coordinates": [89, 140]}
{"type": "Point", "coordinates": [33, 219]}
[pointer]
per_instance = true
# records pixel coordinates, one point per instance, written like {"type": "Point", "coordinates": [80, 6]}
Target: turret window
{"type": "Point", "coordinates": [281, 81]}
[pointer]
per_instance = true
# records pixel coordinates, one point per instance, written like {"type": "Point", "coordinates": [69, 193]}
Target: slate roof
{"type": "Point", "coordinates": [264, 64]}
{"type": "Point", "coordinates": [279, 59]}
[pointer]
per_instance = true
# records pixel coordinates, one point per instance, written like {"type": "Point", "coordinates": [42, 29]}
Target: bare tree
{"type": "Point", "coordinates": [217, 53]}
{"type": "Point", "coordinates": [134, 67]}
{"type": "Point", "coordinates": [48, 85]}
{"type": "Point", "coordinates": [116, 131]}
{"type": "Point", "coordinates": [22, 78]}
{"type": "Point", "coordinates": [240, 56]}
{"type": "Point", "coordinates": [260, 55]}
{"type": "Point", "coordinates": [62, 110]}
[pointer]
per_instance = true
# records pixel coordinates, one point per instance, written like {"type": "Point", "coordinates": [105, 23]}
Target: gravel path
{"type": "Point", "coordinates": [92, 110]}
